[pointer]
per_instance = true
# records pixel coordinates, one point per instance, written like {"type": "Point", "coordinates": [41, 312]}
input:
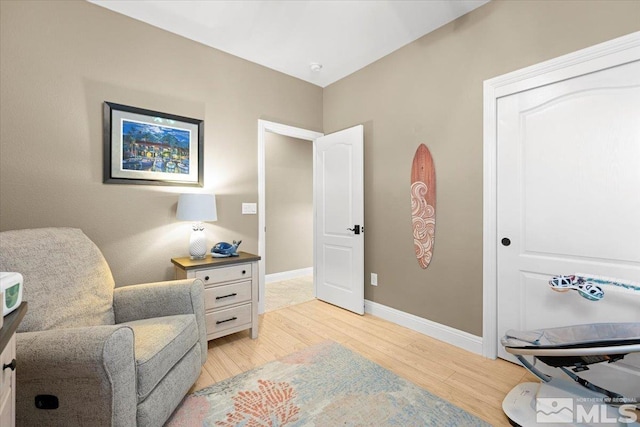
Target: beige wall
{"type": "Point", "coordinates": [431, 92]}
{"type": "Point", "coordinates": [59, 61]}
{"type": "Point", "coordinates": [288, 203]}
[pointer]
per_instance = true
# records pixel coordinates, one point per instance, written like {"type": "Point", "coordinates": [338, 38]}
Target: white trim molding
{"type": "Point", "coordinates": [464, 340]}
{"type": "Point", "coordinates": [288, 275]}
{"type": "Point", "coordinates": [604, 55]}
{"type": "Point", "coordinates": [265, 126]}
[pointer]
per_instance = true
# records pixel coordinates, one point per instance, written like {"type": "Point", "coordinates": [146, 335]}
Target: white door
{"type": "Point", "coordinates": [568, 198]}
{"type": "Point", "coordinates": [339, 221]}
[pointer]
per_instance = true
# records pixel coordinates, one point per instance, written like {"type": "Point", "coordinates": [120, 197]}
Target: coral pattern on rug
{"type": "Point", "coordinates": [324, 385]}
{"type": "Point", "coordinates": [271, 405]}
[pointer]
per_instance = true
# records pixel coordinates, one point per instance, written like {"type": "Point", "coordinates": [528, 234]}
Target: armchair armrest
{"type": "Point", "coordinates": [92, 368]}
{"type": "Point", "coordinates": [186, 296]}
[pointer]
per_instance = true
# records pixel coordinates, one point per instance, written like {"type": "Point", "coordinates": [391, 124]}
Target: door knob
{"type": "Point", "coordinates": [355, 229]}
{"type": "Point", "coordinates": [505, 241]}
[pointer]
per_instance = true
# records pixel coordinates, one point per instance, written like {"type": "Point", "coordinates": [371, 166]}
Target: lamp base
{"type": "Point", "coordinates": [198, 244]}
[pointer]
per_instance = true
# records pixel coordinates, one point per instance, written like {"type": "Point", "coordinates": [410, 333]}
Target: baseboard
{"type": "Point", "coordinates": [288, 275]}
{"type": "Point", "coordinates": [464, 340]}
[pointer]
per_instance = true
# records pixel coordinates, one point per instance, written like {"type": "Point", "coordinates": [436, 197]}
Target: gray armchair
{"type": "Point", "coordinates": [94, 354]}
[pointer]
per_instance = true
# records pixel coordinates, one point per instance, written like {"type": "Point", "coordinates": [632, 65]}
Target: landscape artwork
{"type": "Point", "coordinates": [156, 148]}
{"type": "Point", "coordinates": [151, 148]}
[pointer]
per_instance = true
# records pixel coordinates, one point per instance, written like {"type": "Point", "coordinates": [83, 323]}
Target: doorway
{"type": "Point", "coordinates": [266, 130]}
{"type": "Point", "coordinates": [288, 221]}
{"type": "Point", "coordinates": [338, 213]}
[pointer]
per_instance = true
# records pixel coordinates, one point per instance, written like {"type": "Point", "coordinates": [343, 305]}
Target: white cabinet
{"type": "Point", "coordinates": [8, 384]}
{"type": "Point", "coordinates": [8, 365]}
{"type": "Point", "coordinates": [230, 294]}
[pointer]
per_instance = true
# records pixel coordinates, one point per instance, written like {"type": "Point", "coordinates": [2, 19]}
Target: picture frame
{"type": "Point", "coordinates": [146, 147]}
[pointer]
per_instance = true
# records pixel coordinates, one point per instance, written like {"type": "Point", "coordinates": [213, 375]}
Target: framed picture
{"type": "Point", "coordinates": [151, 148]}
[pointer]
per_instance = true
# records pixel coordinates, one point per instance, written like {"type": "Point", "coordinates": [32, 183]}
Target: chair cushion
{"type": "Point", "coordinates": [67, 281]}
{"type": "Point", "coordinates": [160, 343]}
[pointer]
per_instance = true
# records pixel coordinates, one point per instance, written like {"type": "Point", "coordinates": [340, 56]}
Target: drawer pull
{"type": "Point", "coordinates": [11, 365]}
{"type": "Point", "coordinates": [244, 271]}
{"type": "Point", "coordinates": [206, 278]}
{"type": "Point", "coordinates": [226, 296]}
{"type": "Point", "coordinates": [227, 320]}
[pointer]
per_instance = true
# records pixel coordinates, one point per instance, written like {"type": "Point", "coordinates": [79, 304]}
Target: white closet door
{"type": "Point", "coordinates": [568, 198]}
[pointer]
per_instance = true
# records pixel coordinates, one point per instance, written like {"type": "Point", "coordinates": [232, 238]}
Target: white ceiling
{"type": "Point", "coordinates": [288, 36]}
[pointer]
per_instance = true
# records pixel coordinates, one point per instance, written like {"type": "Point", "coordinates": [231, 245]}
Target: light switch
{"type": "Point", "coordinates": [249, 208]}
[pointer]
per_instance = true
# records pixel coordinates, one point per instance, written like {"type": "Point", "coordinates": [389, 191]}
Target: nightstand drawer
{"type": "Point", "coordinates": [220, 296]}
{"type": "Point", "coordinates": [226, 274]}
{"type": "Point", "coordinates": [228, 318]}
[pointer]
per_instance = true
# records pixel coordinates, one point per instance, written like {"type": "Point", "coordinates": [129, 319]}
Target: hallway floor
{"type": "Point", "coordinates": [288, 292]}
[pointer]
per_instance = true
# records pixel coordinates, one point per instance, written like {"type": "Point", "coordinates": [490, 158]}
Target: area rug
{"type": "Point", "coordinates": [324, 385]}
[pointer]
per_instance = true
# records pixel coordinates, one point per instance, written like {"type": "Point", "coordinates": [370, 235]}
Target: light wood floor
{"type": "Point", "coordinates": [467, 380]}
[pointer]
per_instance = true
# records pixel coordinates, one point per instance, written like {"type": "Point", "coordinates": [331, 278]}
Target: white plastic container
{"type": "Point", "coordinates": [11, 286]}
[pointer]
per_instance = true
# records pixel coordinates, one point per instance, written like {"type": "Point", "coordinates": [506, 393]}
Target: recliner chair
{"type": "Point", "coordinates": [90, 354]}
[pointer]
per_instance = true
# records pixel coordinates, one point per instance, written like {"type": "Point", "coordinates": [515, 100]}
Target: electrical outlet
{"type": "Point", "coordinates": [374, 279]}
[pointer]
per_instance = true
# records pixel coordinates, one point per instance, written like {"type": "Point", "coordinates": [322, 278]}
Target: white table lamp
{"type": "Point", "coordinates": [197, 208]}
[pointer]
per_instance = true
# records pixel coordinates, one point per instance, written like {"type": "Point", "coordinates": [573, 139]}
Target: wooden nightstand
{"type": "Point", "coordinates": [230, 291]}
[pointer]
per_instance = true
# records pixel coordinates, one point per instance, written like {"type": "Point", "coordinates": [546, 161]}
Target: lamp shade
{"type": "Point", "coordinates": [197, 207]}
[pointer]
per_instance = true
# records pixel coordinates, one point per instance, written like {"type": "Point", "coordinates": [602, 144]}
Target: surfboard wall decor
{"type": "Point", "coordinates": [423, 204]}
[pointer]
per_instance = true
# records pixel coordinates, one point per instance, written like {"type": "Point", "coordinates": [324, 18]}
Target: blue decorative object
{"type": "Point", "coordinates": [585, 288]}
{"type": "Point", "coordinates": [224, 249]}
{"type": "Point", "coordinates": [589, 286]}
